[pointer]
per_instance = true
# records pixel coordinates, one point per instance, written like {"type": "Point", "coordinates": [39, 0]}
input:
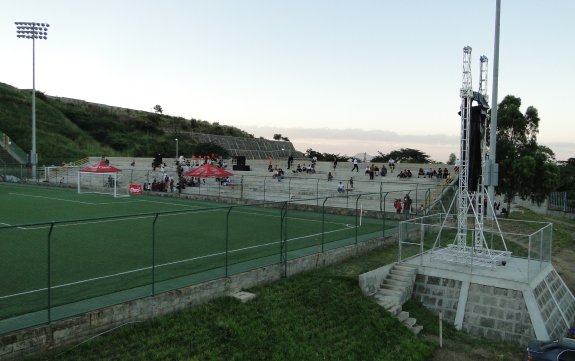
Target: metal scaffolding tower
{"type": "Point", "coordinates": [470, 245]}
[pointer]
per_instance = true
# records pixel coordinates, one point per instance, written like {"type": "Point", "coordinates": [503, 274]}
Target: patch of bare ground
{"type": "Point", "coordinates": [452, 351]}
{"type": "Point", "coordinates": [563, 256]}
{"type": "Point", "coordinates": [563, 262]}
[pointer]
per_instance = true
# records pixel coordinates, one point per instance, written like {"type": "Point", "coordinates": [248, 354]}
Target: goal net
{"type": "Point", "coordinates": [102, 183]}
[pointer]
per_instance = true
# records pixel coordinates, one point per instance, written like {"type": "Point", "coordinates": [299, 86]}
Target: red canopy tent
{"type": "Point", "coordinates": [101, 184]}
{"type": "Point", "coordinates": [208, 171]}
{"type": "Point", "coordinates": [100, 167]}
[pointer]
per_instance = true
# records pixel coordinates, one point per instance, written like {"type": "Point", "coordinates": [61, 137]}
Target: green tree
{"type": "Point", "coordinates": [310, 153]}
{"type": "Point", "coordinates": [452, 159]}
{"type": "Point", "coordinates": [404, 155]}
{"type": "Point", "coordinates": [526, 169]}
{"type": "Point", "coordinates": [567, 178]}
{"type": "Point", "coordinates": [277, 136]}
{"type": "Point", "coordinates": [158, 109]}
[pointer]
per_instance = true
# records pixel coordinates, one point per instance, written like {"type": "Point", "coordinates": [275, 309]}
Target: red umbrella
{"type": "Point", "coordinates": [100, 167]}
{"type": "Point", "coordinates": [208, 171]}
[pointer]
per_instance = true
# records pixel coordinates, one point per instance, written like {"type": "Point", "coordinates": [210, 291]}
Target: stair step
{"type": "Point", "coordinates": [395, 310]}
{"type": "Point", "coordinates": [402, 283]}
{"type": "Point", "coordinates": [389, 292]}
{"type": "Point", "coordinates": [410, 322]}
{"type": "Point", "coordinates": [386, 298]}
{"type": "Point", "coordinates": [406, 267]}
{"type": "Point", "coordinates": [416, 329]}
{"type": "Point", "coordinates": [389, 286]}
{"type": "Point", "coordinates": [399, 277]}
{"type": "Point", "coordinates": [403, 315]}
{"type": "Point", "coordinates": [395, 271]}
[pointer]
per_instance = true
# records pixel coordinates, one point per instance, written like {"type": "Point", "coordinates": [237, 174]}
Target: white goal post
{"type": "Point", "coordinates": [102, 183]}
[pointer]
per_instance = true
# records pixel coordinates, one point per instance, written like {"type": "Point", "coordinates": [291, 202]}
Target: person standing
{"type": "Point", "coordinates": [290, 161]}
{"type": "Point", "coordinates": [334, 163]}
{"type": "Point", "coordinates": [391, 164]}
{"type": "Point", "coordinates": [355, 166]}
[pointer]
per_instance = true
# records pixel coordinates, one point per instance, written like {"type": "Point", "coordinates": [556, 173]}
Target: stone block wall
{"type": "Point", "coordinates": [438, 294]}
{"type": "Point", "coordinates": [556, 303]}
{"type": "Point", "coordinates": [497, 313]}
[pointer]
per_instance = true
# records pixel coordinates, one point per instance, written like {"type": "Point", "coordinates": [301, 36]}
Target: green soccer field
{"type": "Point", "coordinates": [74, 252]}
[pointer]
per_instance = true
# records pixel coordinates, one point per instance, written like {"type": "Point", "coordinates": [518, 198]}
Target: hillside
{"type": "Point", "coordinates": [69, 129]}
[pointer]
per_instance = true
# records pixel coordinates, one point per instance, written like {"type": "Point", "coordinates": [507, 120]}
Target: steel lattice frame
{"type": "Point", "coordinates": [459, 252]}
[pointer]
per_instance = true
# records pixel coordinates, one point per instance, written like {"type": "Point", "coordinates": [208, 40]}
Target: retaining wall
{"type": "Point", "coordinates": [438, 294]}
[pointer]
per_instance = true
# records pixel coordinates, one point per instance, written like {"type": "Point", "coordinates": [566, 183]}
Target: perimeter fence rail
{"type": "Point", "coordinates": [51, 271]}
{"type": "Point", "coordinates": [294, 187]}
{"type": "Point", "coordinates": [525, 239]}
{"type": "Point", "coordinates": [11, 172]}
{"type": "Point", "coordinates": [561, 201]}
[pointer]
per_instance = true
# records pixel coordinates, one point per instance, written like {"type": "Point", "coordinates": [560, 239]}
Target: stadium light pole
{"type": "Point", "coordinates": [176, 148]}
{"type": "Point", "coordinates": [494, 176]}
{"type": "Point", "coordinates": [29, 30]}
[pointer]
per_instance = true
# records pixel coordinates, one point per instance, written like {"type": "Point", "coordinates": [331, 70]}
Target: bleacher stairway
{"type": "Point", "coordinates": [395, 290]}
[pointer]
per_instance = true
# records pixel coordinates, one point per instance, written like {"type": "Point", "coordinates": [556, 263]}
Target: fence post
{"type": "Point", "coordinates": [227, 237]}
{"type": "Point", "coordinates": [400, 239]}
{"type": "Point", "coordinates": [529, 260]}
{"type": "Point", "coordinates": [356, 217]}
{"type": "Point", "coordinates": [323, 223]}
{"type": "Point", "coordinates": [416, 196]}
{"type": "Point", "coordinates": [265, 188]}
{"type": "Point", "coordinates": [154, 255]}
{"type": "Point", "coordinates": [384, 214]}
{"type": "Point", "coordinates": [380, 195]}
{"type": "Point", "coordinates": [49, 288]}
{"type": "Point", "coordinates": [242, 187]}
{"type": "Point", "coordinates": [283, 240]}
{"type": "Point", "coordinates": [317, 193]}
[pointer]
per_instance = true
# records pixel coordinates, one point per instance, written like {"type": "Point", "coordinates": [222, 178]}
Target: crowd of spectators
{"type": "Point", "coordinates": [309, 169]}
{"type": "Point", "coordinates": [167, 183]}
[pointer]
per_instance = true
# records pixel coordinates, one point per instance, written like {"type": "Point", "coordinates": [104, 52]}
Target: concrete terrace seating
{"type": "Point", "coordinates": [251, 148]}
{"type": "Point", "coordinates": [258, 184]}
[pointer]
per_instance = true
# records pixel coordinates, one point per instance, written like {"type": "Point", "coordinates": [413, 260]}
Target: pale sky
{"type": "Point", "coordinates": [335, 76]}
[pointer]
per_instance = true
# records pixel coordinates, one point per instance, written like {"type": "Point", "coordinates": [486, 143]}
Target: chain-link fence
{"type": "Point", "coordinates": [55, 270]}
{"type": "Point", "coordinates": [561, 201]}
{"type": "Point", "coordinates": [425, 237]}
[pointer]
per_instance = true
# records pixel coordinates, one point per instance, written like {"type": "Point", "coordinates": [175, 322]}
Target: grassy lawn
{"type": "Point", "coordinates": [317, 315]}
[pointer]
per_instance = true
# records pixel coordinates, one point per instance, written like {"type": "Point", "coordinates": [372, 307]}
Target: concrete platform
{"type": "Point", "coordinates": [522, 300]}
{"type": "Point", "coordinates": [244, 296]}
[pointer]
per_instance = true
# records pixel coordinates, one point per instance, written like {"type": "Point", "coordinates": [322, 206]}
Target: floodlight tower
{"type": "Point", "coordinates": [30, 30]}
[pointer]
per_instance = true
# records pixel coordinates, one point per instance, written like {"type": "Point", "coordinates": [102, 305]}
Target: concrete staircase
{"type": "Point", "coordinates": [395, 290]}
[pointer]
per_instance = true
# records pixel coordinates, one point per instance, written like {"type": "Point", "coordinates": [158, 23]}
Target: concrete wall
{"type": "Point", "coordinates": [70, 331]}
{"type": "Point", "coordinates": [438, 294]}
{"type": "Point", "coordinates": [370, 282]}
{"type": "Point", "coordinates": [487, 311]}
{"type": "Point", "coordinates": [497, 313]}
{"type": "Point", "coordinates": [556, 303]}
